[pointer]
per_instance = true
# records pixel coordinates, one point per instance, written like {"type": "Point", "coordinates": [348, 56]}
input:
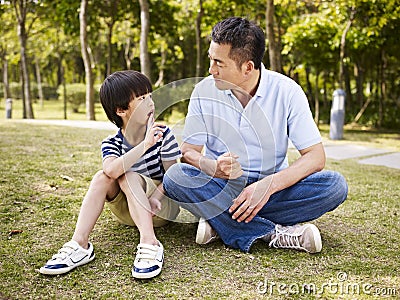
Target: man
{"type": "Point", "coordinates": [241, 186]}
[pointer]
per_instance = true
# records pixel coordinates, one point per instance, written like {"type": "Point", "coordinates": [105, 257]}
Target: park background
{"type": "Point", "coordinates": [56, 53]}
{"type": "Point", "coordinates": [63, 49]}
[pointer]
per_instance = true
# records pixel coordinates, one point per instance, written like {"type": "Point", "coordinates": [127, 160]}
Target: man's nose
{"type": "Point", "coordinates": [212, 69]}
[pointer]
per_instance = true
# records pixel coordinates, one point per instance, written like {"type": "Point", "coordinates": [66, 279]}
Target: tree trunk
{"type": "Point", "coordinates": [7, 93]}
{"type": "Point", "coordinates": [109, 47]}
{"type": "Point", "coordinates": [347, 85]}
{"type": "Point", "coordinates": [316, 104]}
{"type": "Point", "coordinates": [325, 98]}
{"type": "Point", "coordinates": [160, 80]}
{"type": "Point", "coordinates": [273, 46]}
{"type": "Point", "coordinates": [310, 94]}
{"type": "Point", "coordinates": [359, 74]}
{"type": "Point", "coordinates": [20, 7]}
{"type": "Point", "coordinates": [382, 98]}
{"type": "Point", "coordinates": [127, 55]}
{"type": "Point", "coordinates": [113, 5]}
{"type": "Point", "coordinates": [200, 14]}
{"type": "Point", "coordinates": [343, 48]}
{"type": "Point", "coordinates": [144, 33]}
{"type": "Point", "coordinates": [87, 62]}
{"type": "Point", "coordinates": [21, 76]}
{"type": "Point", "coordinates": [361, 112]}
{"type": "Point", "coordinates": [64, 90]}
{"type": "Point", "coordinates": [39, 82]}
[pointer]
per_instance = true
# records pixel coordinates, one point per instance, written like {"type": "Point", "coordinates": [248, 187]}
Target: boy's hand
{"type": "Point", "coordinates": [154, 132]}
{"type": "Point", "coordinates": [155, 205]}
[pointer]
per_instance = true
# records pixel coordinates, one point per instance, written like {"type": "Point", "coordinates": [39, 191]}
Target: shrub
{"type": "Point", "coordinates": [49, 92]}
{"type": "Point", "coordinates": [76, 94]}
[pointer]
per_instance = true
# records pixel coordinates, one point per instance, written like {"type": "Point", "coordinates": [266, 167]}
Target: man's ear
{"type": "Point", "coordinates": [248, 67]}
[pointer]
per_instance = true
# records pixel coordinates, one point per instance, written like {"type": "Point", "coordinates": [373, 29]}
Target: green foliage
{"type": "Point", "coordinates": [309, 32]}
{"type": "Point", "coordinates": [49, 92]}
{"type": "Point", "coordinates": [75, 95]}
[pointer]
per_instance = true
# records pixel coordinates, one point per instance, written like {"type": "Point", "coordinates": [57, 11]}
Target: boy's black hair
{"type": "Point", "coordinates": [247, 40]}
{"type": "Point", "coordinates": [119, 88]}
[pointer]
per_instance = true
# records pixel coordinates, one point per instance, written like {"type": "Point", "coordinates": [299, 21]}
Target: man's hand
{"type": "Point", "coordinates": [227, 166]}
{"type": "Point", "coordinates": [250, 201]}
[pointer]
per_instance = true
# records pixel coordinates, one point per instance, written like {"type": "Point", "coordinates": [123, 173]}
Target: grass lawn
{"type": "Point", "coordinates": [38, 210]}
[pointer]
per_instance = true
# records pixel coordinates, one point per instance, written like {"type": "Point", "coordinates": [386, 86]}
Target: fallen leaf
{"type": "Point", "coordinates": [65, 177]}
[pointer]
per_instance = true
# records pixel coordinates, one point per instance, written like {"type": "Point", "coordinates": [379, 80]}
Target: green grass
{"type": "Point", "coordinates": [51, 109]}
{"type": "Point", "coordinates": [360, 238]}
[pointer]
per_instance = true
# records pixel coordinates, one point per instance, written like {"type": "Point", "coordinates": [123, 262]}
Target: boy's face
{"type": "Point", "coordinates": [140, 109]}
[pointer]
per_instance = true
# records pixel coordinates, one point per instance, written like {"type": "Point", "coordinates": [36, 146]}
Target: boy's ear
{"type": "Point", "coordinates": [120, 112]}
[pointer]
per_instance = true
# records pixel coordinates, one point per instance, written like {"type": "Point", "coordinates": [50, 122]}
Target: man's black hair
{"type": "Point", "coordinates": [247, 40]}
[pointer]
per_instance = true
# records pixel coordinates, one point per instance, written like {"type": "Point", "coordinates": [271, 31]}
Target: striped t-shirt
{"type": "Point", "coordinates": [150, 163]}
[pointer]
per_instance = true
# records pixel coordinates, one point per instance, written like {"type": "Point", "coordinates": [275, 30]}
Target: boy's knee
{"type": "Point", "coordinates": [130, 178]}
{"type": "Point", "coordinates": [101, 178]}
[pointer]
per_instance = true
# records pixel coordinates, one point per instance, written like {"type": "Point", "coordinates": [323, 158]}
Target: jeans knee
{"type": "Point", "coordinates": [339, 187]}
{"type": "Point", "coordinates": [176, 173]}
{"type": "Point", "coordinates": [342, 186]}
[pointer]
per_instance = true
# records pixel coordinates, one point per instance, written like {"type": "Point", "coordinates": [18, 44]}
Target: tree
{"type": "Point", "coordinates": [21, 8]}
{"type": "Point", "coordinates": [199, 16]}
{"type": "Point", "coordinates": [144, 34]}
{"type": "Point", "coordinates": [273, 46]}
{"type": "Point", "coordinates": [87, 62]}
{"type": "Point", "coordinates": [6, 45]}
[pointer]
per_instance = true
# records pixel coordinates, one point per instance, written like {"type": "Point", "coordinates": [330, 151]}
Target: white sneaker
{"type": "Point", "coordinates": [205, 233]}
{"type": "Point", "coordinates": [70, 256]}
{"type": "Point", "coordinates": [148, 262]}
{"type": "Point", "coordinates": [299, 237]}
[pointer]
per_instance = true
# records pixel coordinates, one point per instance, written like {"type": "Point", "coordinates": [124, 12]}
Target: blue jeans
{"type": "Point", "coordinates": [210, 198]}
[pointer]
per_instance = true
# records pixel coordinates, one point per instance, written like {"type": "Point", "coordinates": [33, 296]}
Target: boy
{"type": "Point", "coordinates": [134, 162]}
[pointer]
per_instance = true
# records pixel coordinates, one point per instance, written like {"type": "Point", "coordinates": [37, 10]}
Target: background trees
{"type": "Point", "coordinates": [323, 45]}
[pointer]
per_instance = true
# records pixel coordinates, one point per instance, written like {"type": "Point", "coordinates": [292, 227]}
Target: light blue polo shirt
{"type": "Point", "coordinates": [258, 133]}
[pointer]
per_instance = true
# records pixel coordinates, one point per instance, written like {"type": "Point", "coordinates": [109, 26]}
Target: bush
{"type": "Point", "coordinates": [75, 94]}
{"type": "Point", "coordinates": [15, 90]}
{"type": "Point", "coordinates": [49, 92]}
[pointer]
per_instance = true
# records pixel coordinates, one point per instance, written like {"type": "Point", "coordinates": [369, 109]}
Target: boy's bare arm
{"type": "Point", "coordinates": [114, 167]}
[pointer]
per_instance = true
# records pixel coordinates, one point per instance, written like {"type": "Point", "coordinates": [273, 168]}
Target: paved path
{"type": "Point", "coordinates": [366, 155]}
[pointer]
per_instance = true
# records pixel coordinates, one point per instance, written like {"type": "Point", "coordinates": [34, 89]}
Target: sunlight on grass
{"type": "Point", "coordinates": [37, 203]}
{"type": "Point", "coordinates": [52, 109]}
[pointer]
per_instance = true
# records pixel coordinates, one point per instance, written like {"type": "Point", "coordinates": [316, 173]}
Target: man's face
{"type": "Point", "coordinates": [224, 70]}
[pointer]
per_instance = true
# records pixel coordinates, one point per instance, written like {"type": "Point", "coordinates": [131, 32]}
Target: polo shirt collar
{"type": "Point", "coordinates": [262, 87]}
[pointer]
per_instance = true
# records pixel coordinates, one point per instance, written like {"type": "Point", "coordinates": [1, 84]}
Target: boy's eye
{"type": "Point", "coordinates": [144, 97]}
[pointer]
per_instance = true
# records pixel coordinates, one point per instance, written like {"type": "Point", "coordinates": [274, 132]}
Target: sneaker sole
{"type": "Point", "coordinates": [60, 271]}
{"type": "Point", "coordinates": [146, 275]}
{"type": "Point", "coordinates": [201, 233]}
{"type": "Point", "coordinates": [317, 238]}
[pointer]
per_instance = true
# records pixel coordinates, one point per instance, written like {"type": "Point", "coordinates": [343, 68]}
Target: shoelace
{"type": "Point", "coordinates": [283, 239]}
{"type": "Point", "coordinates": [146, 252]}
